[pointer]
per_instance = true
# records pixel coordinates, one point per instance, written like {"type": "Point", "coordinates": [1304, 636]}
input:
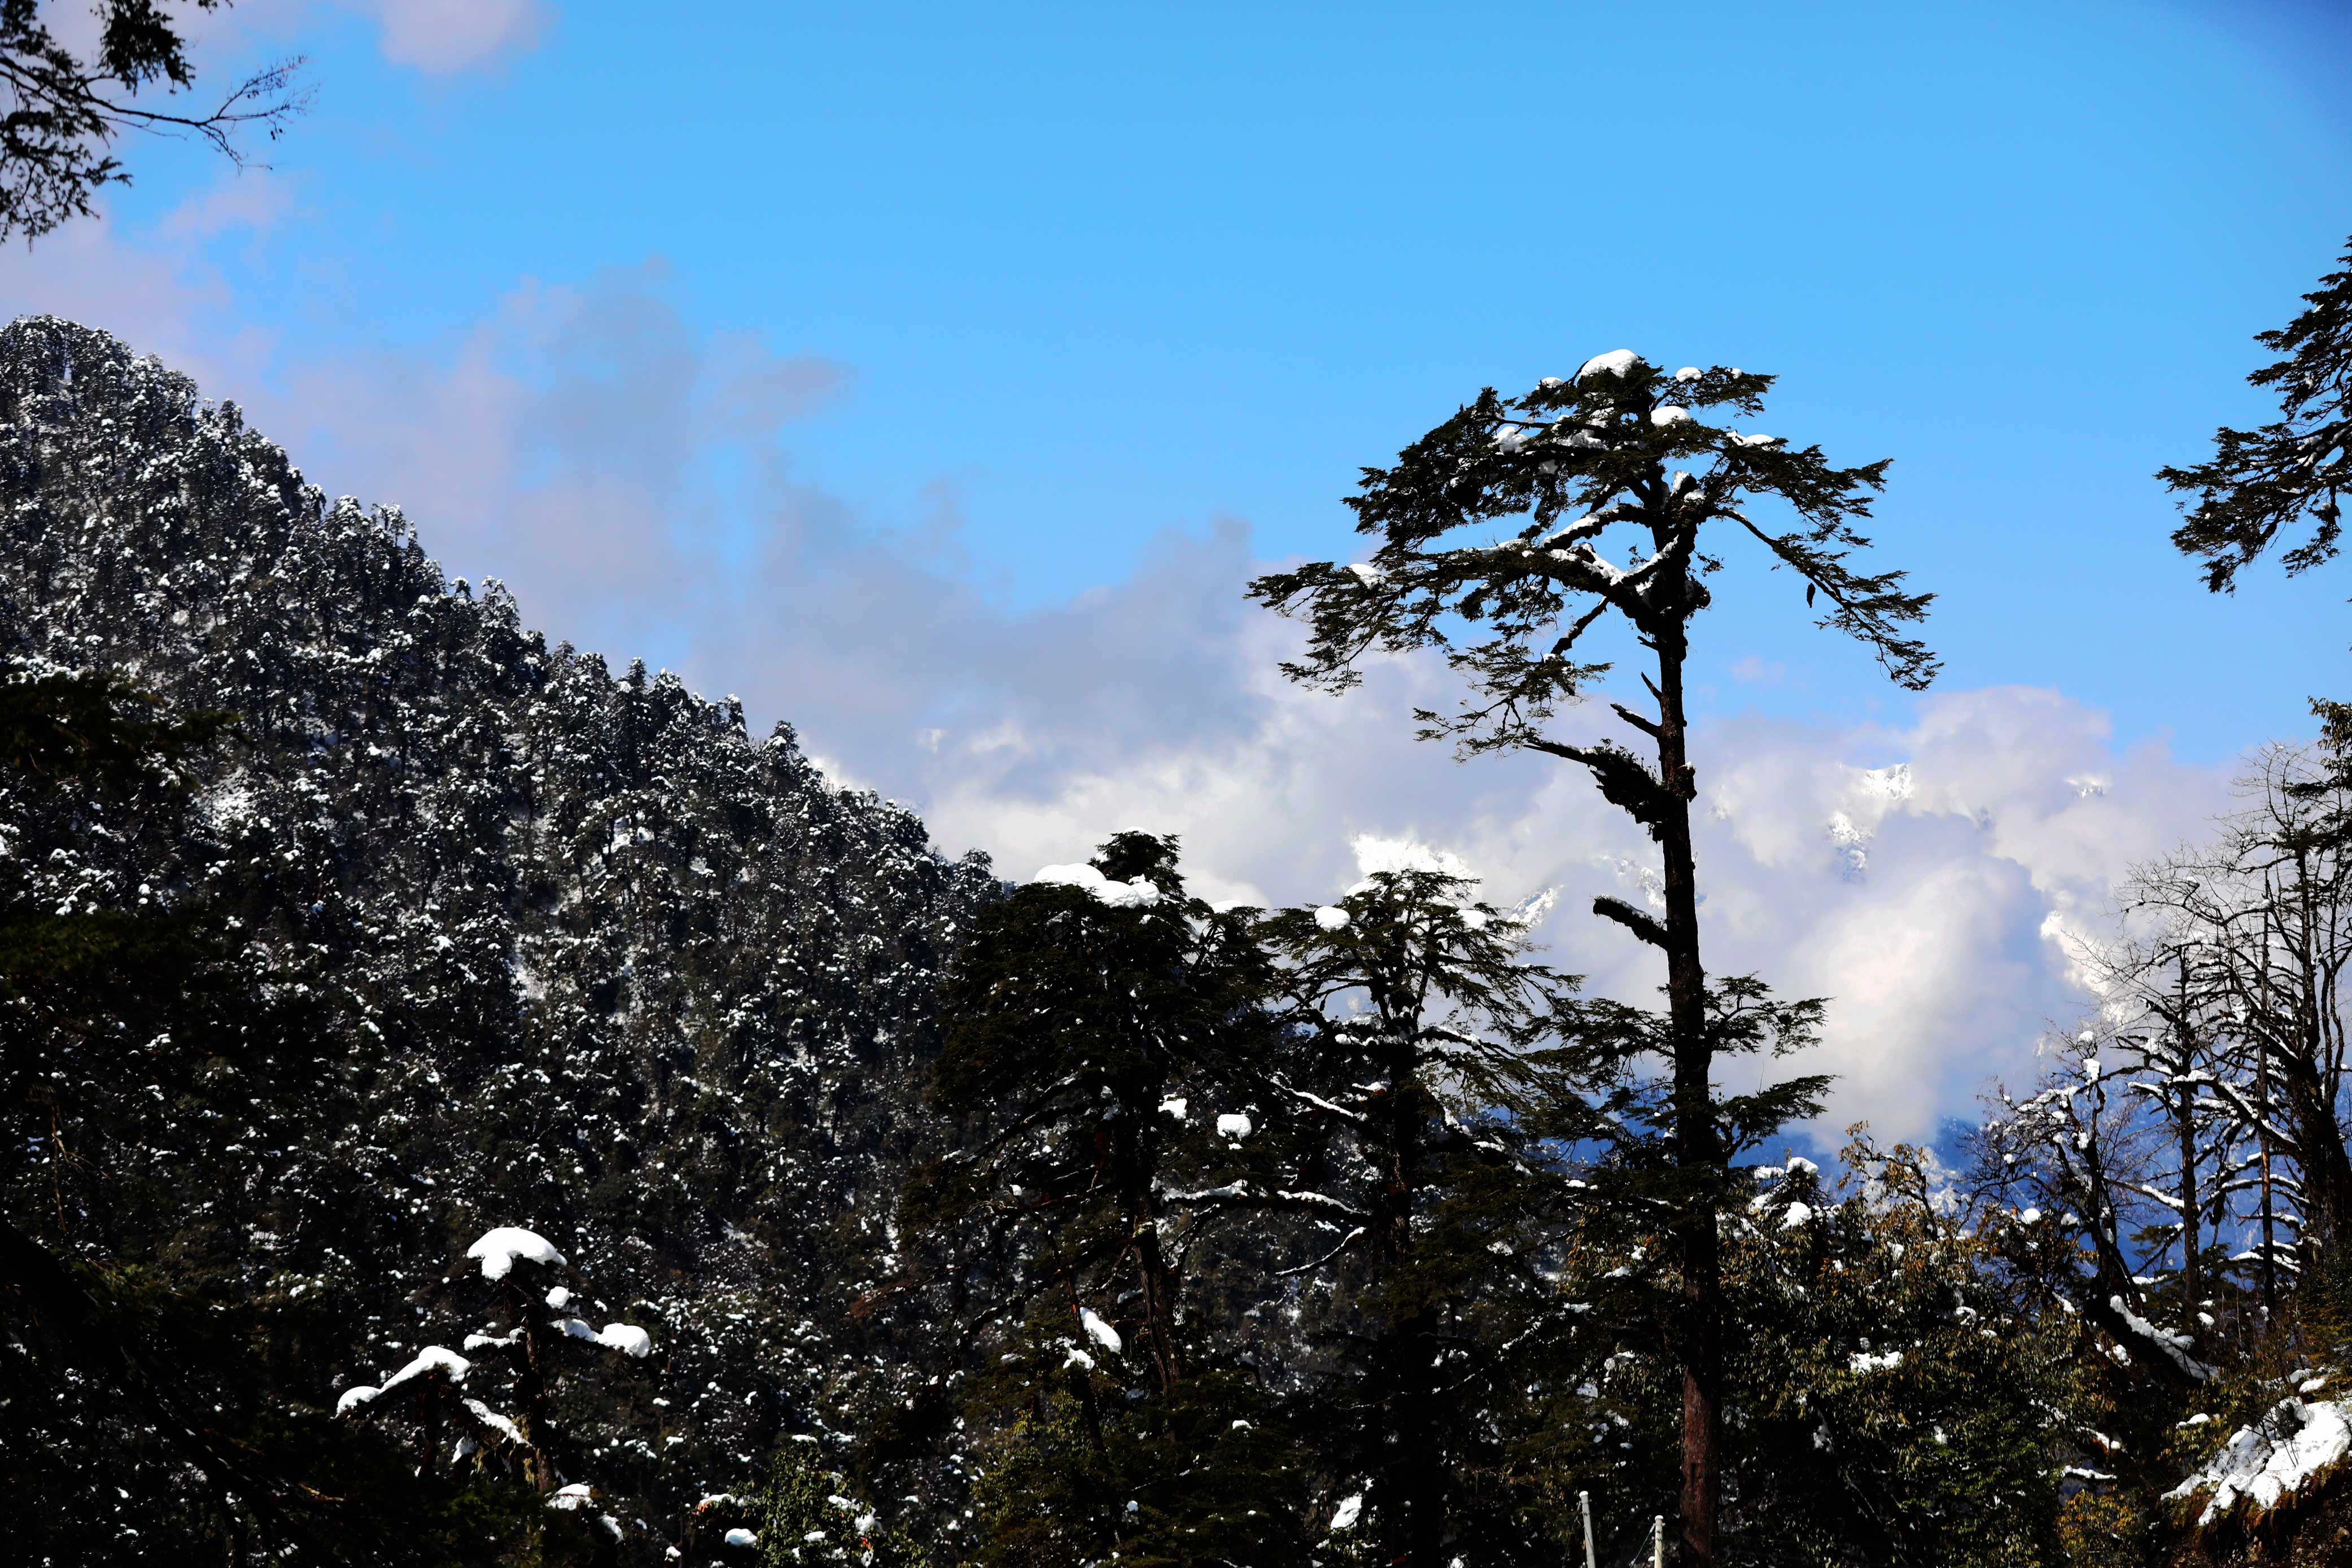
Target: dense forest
{"type": "Point", "coordinates": [469, 1105]}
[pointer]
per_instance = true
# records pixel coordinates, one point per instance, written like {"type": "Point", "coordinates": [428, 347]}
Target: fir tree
{"type": "Point", "coordinates": [1085, 1013]}
{"type": "Point", "coordinates": [1392, 1137]}
{"type": "Point", "coordinates": [1578, 459]}
{"type": "Point", "coordinates": [2261, 482]}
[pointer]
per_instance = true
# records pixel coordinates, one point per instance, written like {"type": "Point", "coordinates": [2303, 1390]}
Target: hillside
{"type": "Point", "coordinates": [578, 952]}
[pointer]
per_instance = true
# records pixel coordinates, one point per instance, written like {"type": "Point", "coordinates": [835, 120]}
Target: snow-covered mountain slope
{"type": "Point", "coordinates": [586, 957]}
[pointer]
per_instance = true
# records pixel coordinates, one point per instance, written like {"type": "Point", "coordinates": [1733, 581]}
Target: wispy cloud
{"type": "Point", "coordinates": [438, 38]}
{"type": "Point", "coordinates": [441, 36]}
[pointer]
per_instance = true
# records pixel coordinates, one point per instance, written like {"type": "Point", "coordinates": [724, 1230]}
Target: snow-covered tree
{"type": "Point", "coordinates": [1381, 1133]}
{"type": "Point", "coordinates": [499, 931]}
{"type": "Point", "coordinates": [1581, 460]}
{"type": "Point", "coordinates": [516, 1364]}
{"type": "Point", "coordinates": [1892, 1400]}
{"type": "Point", "coordinates": [1096, 1017]}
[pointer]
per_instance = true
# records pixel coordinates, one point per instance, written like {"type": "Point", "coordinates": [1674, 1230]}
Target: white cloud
{"type": "Point", "coordinates": [444, 35]}
{"type": "Point", "coordinates": [439, 38]}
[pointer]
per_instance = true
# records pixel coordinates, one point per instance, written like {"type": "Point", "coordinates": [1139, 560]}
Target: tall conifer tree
{"type": "Point", "coordinates": [1578, 459]}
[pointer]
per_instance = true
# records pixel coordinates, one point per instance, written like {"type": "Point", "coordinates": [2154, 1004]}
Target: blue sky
{"type": "Point", "coordinates": [935, 376]}
{"type": "Point", "coordinates": [1103, 271]}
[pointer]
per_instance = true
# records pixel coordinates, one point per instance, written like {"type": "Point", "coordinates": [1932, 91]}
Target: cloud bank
{"type": "Point", "coordinates": [634, 481]}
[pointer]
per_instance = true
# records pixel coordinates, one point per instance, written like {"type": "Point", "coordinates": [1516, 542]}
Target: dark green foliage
{"type": "Point", "coordinates": [470, 932]}
{"type": "Point", "coordinates": [1509, 613]}
{"type": "Point", "coordinates": [1089, 1037]}
{"type": "Point", "coordinates": [1397, 1138]}
{"type": "Point", "coordinates": [1602, 1100]}
{"type": "Point", "coordinates": [1890, 1401]}
{"type": "Point", "coordinates": [2261, 482]}
{"type": "Point", "coordinates": [806, 1517]}
{"type": "Point", "coordinates": [1071, 1021]}
{"type": "Point", "coordinates": [1208, 1475]}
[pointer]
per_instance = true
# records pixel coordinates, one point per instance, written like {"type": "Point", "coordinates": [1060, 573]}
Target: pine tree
{"type": "Point", "coordinates": [441, 1390]}
{"type": "Point", "coordinates": [1578, 459]}
{"type": "Point", "coordinates": [1085, 1013]}
{"type": "Point", "coordinates": [2261, 482]}
{"type": "Point", "coordinates": [1389, 1131]}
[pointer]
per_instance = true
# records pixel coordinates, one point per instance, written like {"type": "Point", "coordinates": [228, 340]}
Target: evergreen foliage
{"type": "Point", "coordinates": [860, 1209]}
{"type": "Point", "coordinates": [2261, 482]}
{"type": "Point", "coordinates": [1578, 458]}
{"type": "Point", "coordinates": [501, 938]}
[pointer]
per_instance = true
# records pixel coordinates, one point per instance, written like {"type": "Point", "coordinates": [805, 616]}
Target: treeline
{"type": "Point", "coordinates": [1290, 1238]}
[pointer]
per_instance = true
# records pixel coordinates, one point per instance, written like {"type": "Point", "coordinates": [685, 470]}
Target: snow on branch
{"type": "Point", "coordinates": [502, 1247]}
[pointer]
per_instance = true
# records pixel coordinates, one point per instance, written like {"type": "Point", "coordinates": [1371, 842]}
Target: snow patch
{"type": "Point", "coordinates": [1893, 783]}
{"type": "Point", "coordinates": [501, 1248]}
{"type": "Point", "coordinates": [1101, 1333]}
{"type": "Point", "coordinates": [1118, 894]}
{"type": "Point", "coordinates": [1233, 1125]}
{"type": "Point", "coordinates": [1615, 363]}
{"type": "Point", "coordinates": [2272, 1458]}
{"type": "Point", "coordinates": [629, 1339]}
{"type": "Point", "coordinates": [431, 1359]}
{"type": "Point", "coordinates": [495, 1422]}
{"type": "Point", "coordinates": [2175, 1345]}
{"type": "Point", "coordinates": [1375, 854]}
{"type": "Point", "coordinates": [626, 1338]}
{"type": "Point", "coordinates": [1331, 917]}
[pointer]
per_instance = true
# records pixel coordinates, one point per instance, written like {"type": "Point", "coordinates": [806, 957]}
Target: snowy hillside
{"type": "Point", "coordinates": [589, 958]}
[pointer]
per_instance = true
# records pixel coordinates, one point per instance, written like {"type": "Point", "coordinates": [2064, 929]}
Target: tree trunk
{"type": "Point", "coordinates": [1150, 1263]}
{"type": "Point", "coordinates": [2319, 1149]}
{"type": "Point", "coordinates": [2184, 1088]}
{"type": "Point", "coordinates": [1408, 1476]}
{"type": "Point", "coordinates": [2188, 1237]}
{"type": "Point", "coordinates": [1696, 1148]}
{"type": "Point", "coordinates": [523, 1313]}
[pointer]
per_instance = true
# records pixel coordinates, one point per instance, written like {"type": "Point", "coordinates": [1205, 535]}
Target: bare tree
{"type": "Point", "coordinates": [2083, 1151]}
{"type": "Point", "coordinates": [64, 111]}
{"type": "Point", "coordinates": [2265, 913]}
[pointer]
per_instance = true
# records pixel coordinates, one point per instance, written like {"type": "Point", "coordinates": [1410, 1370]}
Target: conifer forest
{"type": "Point", "coordinates": [472, 1104]}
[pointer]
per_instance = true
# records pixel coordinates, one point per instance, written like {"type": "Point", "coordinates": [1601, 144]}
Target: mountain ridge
{"type": "Point", "coordinates": [586, 956]}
